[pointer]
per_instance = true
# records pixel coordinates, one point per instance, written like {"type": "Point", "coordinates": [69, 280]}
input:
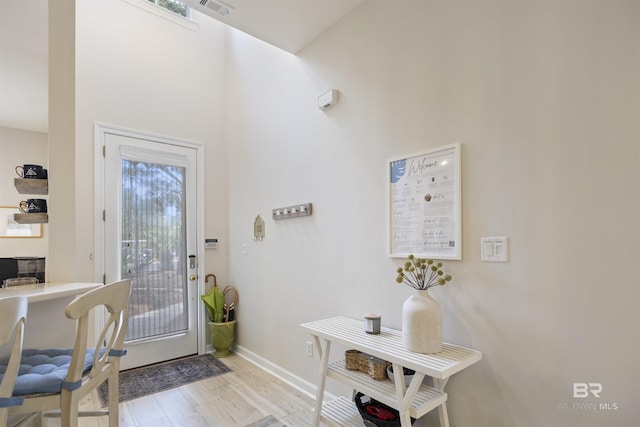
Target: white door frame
{"type": "Point", "coordinates": [100, 131]}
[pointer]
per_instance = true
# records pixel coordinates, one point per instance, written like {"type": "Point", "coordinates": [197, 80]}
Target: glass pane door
{"type": "Point", "coordinates": [150, 234]}
{"type": "Point", "coordinates": [153, 247]}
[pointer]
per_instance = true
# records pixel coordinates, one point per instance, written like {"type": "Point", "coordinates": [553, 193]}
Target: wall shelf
{"type": "Point", "coordinates": [31, 186]}
{"type": "Point", "coordinates": [31, 218]}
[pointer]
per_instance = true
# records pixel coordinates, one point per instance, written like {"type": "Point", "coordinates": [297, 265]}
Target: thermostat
{"type": "Point", "coordinates": [210, 243]}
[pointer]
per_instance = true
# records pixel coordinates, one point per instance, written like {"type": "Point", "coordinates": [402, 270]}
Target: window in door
{"type": "Point", "coordinates": [153, 247]}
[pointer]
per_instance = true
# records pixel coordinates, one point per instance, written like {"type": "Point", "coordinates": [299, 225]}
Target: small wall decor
{"type": "Point", "coordinates": [258, 229]}
{"type": "Point", "coordinates": [425, 204]}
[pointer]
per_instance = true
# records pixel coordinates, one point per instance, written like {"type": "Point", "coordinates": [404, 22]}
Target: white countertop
{"type": "Point", "coordinates": [48, 291]}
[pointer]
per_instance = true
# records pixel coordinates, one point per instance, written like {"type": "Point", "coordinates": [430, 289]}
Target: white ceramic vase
{"type": "Point", "coordinates": [422, 323]}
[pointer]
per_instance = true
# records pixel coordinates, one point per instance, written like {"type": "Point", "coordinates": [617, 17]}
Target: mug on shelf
{"type": "Point", "coordinates": [31, 172]}
{"type": "Point", "coordinates": [33, 206]}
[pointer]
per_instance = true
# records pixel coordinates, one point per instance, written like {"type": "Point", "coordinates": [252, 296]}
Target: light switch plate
{"type": "Point", "coordinates": [494, 249]}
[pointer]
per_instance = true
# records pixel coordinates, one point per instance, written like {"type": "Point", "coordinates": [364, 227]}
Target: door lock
{"type": "Point", "coordinates": [193, 277]}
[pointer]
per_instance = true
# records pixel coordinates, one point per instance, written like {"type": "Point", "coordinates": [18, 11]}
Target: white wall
{"type": "Point", "coordinates": [66, 206]}
{"type": "Point", "coordinates": [545, 98]}
{"type": "Point", "coordinates": [19, 147]}
{"type": "Point", "coordinates": [140, 71]}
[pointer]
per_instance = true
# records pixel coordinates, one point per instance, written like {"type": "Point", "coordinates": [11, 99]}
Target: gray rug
{"type": "Point", "coordinates": [269, 421]}
{"type": "Point", "coordinates": [151, 379]}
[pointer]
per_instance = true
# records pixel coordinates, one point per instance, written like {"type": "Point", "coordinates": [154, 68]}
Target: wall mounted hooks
{"type": "Point", "coordinates": [302, 209]}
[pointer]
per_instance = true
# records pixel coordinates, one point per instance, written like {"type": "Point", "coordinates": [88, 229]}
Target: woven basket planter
{"type": "Point", "coordinates": [356, 360]}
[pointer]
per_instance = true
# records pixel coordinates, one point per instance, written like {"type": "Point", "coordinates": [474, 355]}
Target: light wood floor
{"type": "Point", "coordinates": [238, 398]}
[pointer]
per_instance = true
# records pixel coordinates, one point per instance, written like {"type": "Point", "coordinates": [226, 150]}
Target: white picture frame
{"type": "Point", "coordinates": [425, 204]}
{"type": "Point", "coordinates": [9, 228]}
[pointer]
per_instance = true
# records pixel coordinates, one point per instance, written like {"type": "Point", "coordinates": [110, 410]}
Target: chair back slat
{"type": "Point", "coordinates": [13, 315]}
{"type": "Point", "coordinates": [115, 298]}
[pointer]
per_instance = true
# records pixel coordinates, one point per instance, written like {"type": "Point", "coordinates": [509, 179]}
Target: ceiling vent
{"type": "Point", "coordinates": [217, 6]}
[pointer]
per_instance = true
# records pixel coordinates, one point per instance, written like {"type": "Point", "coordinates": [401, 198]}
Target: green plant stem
{"type": "Point", "coordinates": [434, 274]}
{"type": "Point", "coordinates": [416, 280]}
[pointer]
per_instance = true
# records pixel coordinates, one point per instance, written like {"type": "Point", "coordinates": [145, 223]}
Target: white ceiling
{"type": "Point", "coordinates": [287, 24]}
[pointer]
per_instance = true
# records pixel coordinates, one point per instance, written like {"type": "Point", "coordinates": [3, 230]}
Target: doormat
{"type": "Point", "coordinates": [151, 379]}
{"type": "Point", "coordinates": [269, 421]}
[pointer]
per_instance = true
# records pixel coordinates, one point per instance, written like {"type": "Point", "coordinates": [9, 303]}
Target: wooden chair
{"type": "Point", "coordinates": [84, 368]}
{"type": "Point", "coordinates": [13, 314]}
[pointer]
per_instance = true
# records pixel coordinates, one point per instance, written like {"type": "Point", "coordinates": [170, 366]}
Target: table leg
{"type": "Point", "coordinates": [405, 395]}
{"type": "Point", "coordinates": [443, 415]}
{"type": "Point", "coordinates": [442, 409]}
{"type": "Point", "coordinates": [323, 355]}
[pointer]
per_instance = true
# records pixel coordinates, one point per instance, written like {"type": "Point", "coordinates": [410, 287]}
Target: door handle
{"type": "Point", "coordinates": [193, 277]}
{"type": "Point", "coordinates": [192, 261]}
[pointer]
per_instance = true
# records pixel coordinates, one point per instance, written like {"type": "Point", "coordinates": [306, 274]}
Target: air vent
{"type": "Point", "coordinates": [218, 7]}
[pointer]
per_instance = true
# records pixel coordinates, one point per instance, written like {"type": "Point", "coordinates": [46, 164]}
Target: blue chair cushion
{"type": "Point", "coordinates": [44, 371]}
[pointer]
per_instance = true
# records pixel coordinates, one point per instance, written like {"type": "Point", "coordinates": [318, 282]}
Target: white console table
{"type": "Point", "coordinates": [412, 402]}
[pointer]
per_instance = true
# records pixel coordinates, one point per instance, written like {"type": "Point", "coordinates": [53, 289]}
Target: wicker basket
{"type": "Point", "coordinates": [356, 360]}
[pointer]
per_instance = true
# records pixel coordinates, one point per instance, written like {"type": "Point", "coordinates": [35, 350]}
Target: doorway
{"type": "Point", "coordinates": [150, 223]}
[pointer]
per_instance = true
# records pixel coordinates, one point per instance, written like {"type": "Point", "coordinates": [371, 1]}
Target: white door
{"type": "Point", "coordinates": [150, 237]}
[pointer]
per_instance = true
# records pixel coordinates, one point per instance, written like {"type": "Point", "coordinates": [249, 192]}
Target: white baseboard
{"type": "Point", "coordinates": [294, 381]}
